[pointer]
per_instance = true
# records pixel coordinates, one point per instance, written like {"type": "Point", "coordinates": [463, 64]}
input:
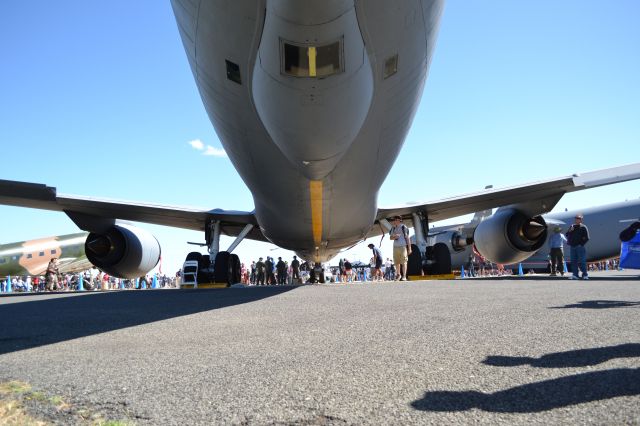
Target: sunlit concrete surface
{"type": "Point", "coordinates": [517, 350]}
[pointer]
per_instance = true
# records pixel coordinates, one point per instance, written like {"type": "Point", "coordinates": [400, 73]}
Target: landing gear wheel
{"type": "Point", "coordinates": [227, 268]}
{"type": "Point", "coordinates": [442, 258]}
{"type": "Point", "coordinates": [194, 255]}
{"type": "Point", "coordinates": [414, 266]}
{"type": "Point", "coordinates": [438, 260]}
{"type": "Point", "coordinates": [234, 270]}
{"type": "Point", "coordinates": [221, 267]}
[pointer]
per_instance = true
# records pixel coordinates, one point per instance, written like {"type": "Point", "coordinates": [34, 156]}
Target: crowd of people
{"type": "Point", "coordinates": [268, 271]}
{"type": "Point", "coordinates": [92, 280]}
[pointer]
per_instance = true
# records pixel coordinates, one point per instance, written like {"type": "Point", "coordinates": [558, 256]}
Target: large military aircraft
{"type": "Point", "coordinates": [325, 93]}
{"type": "Point", "coordinates": [32, 257]}
{"type": "Point", "coordinates": [604, 222]}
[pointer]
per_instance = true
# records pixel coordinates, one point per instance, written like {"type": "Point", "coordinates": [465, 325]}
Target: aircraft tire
{"type": "Point", "coordinates": [194, 255]}
{"type": "Point", "coordinates": [414, 266]}
{"type": "Point", "coordinates": [442, 258]}
{"type": "Point", "coordinates": [234, 269]}
{"type": "Point", "coordinates": [221, 267]}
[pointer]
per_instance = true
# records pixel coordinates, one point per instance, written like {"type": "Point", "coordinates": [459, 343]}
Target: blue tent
{"type": "Point", "coordinates": [630, 253]}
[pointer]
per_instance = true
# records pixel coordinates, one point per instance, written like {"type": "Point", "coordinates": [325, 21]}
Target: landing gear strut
{"type": "Point", "coordinates": [219, 267]}
{"type": "Point", "coordinates": [426, 258]}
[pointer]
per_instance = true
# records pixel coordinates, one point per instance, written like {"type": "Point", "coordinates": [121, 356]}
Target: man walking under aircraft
{"type": "Point", "coordinates": [577, 237]}
{"type": "Point", "coordinates": [399, 234]}
{"type": "Point", "coordinates": [377, 263]}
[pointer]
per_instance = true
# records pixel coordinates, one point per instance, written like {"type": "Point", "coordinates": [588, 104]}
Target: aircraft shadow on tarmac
{"type": "Point", "coordinates": [34, 323]}
{"type": "Point", "coordinates": [548, 394]}
{"type": "Point", "coordinates": [599, 304]}
{"type": "Point", "coordinates": [540, 396]}
{"type": "Point", "coordinates": [547, 278]}
{"type": "Point", "coordinates": [577, 358]}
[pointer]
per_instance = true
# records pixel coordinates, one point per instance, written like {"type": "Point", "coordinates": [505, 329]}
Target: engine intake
{"type": "Point", "coordinates": [124, 251]}
{"type": "Point", "coordinates": [509, 236]}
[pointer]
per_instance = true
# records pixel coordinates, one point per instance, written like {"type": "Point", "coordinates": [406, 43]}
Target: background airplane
{"type": "Point", "coordinates": [604, 222]}
{"type": "Point", "coordinates": [32, 257]}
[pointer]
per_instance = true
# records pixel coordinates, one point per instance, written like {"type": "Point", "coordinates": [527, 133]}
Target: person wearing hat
{"type": "Point", "coordinates": [377, 267]}
{"type": "Point", "coordinates": [577, 237]}
{"type": "Point", "coordinates": [399, 234]}
{"type": "Point", "coordinates": [556, 252]}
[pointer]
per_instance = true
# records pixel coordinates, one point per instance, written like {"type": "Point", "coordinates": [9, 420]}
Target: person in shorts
{"type": "Point", "coordinates": [399, 234]}
{"type": "Point", "coordinates": [377, 263]}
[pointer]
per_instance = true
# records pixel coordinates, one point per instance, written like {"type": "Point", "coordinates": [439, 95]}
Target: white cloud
{"type": "Point", "coordinates": [216, 152]}
{"type": "Point", "coordinates": [197, 144]}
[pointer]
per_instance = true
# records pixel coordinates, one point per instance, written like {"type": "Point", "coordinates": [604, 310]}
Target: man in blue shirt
{"type": "Point", "coordinates": [556, 252]}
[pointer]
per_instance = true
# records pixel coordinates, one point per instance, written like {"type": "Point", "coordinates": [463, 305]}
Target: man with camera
{"type": "Point", "coordinates": [399, 234]}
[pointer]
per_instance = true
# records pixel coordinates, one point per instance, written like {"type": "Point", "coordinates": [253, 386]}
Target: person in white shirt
{"type": "Point", "coordinates": [399, 234]}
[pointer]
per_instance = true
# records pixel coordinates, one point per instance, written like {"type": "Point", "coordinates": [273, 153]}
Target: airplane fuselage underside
{"type": "Point", "coordinates": [323, 92]}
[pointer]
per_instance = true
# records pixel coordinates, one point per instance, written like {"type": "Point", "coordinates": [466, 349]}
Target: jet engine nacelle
{"type": "Point", "coordinates": [509, 236]}
{"type": "Point", "coordinates": [124, 251]}
{"type": "Point", "coordinates": [454, 240]}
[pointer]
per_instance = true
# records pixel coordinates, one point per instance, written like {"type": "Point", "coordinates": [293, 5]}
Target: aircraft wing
{"type": "Point", "coordinates": [537, 197]}
{"type": "Point", "coordinates": [39, 196]}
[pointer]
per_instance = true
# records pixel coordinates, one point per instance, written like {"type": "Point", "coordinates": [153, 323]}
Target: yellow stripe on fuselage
{"type": "Point", "coordinates": [312, 61]}
{"type": "Point", "coordinates": [315, 188]}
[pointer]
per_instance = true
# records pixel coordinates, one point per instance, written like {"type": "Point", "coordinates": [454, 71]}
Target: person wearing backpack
{"type": "Point", "coordinates": [399, 234]}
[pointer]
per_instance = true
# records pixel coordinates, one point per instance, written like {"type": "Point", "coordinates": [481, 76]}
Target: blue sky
{"type": "Point", "coordinates": [96, 98]}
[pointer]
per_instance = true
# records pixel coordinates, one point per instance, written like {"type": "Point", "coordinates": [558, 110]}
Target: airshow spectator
{"type": "Point", "coordinates": [52, 275]}
{"type": "Point", "coordinates": [282, 271]}
{"type": "Point", "coordinates": [295, 270]}
{"type": "Point", "coordinates": [399, 234]}
{"type": "Point", "coordinates": [268, 265]}
{"type": "Point", "coordinates": [348, 272]}
{"type": "Point", "coordinates": [260, 272]}
{"type": "Point", "coordinates": [577, 237]}
{"type": "Point", "coordinates": [556, 251]}
{"type": "Point", "coordinates": [341, 273]}
{"type": "Point", "coordinates": [252, 277]}
{"type": "Point", "coordinates": [377, 263]}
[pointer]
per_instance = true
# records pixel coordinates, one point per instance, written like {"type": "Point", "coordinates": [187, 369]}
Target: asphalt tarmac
{"type": "Point", "coordinates": [521, 350]}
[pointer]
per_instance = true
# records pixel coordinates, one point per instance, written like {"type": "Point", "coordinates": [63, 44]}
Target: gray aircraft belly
{"type": "Point", "coordinates": [319, 208]}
